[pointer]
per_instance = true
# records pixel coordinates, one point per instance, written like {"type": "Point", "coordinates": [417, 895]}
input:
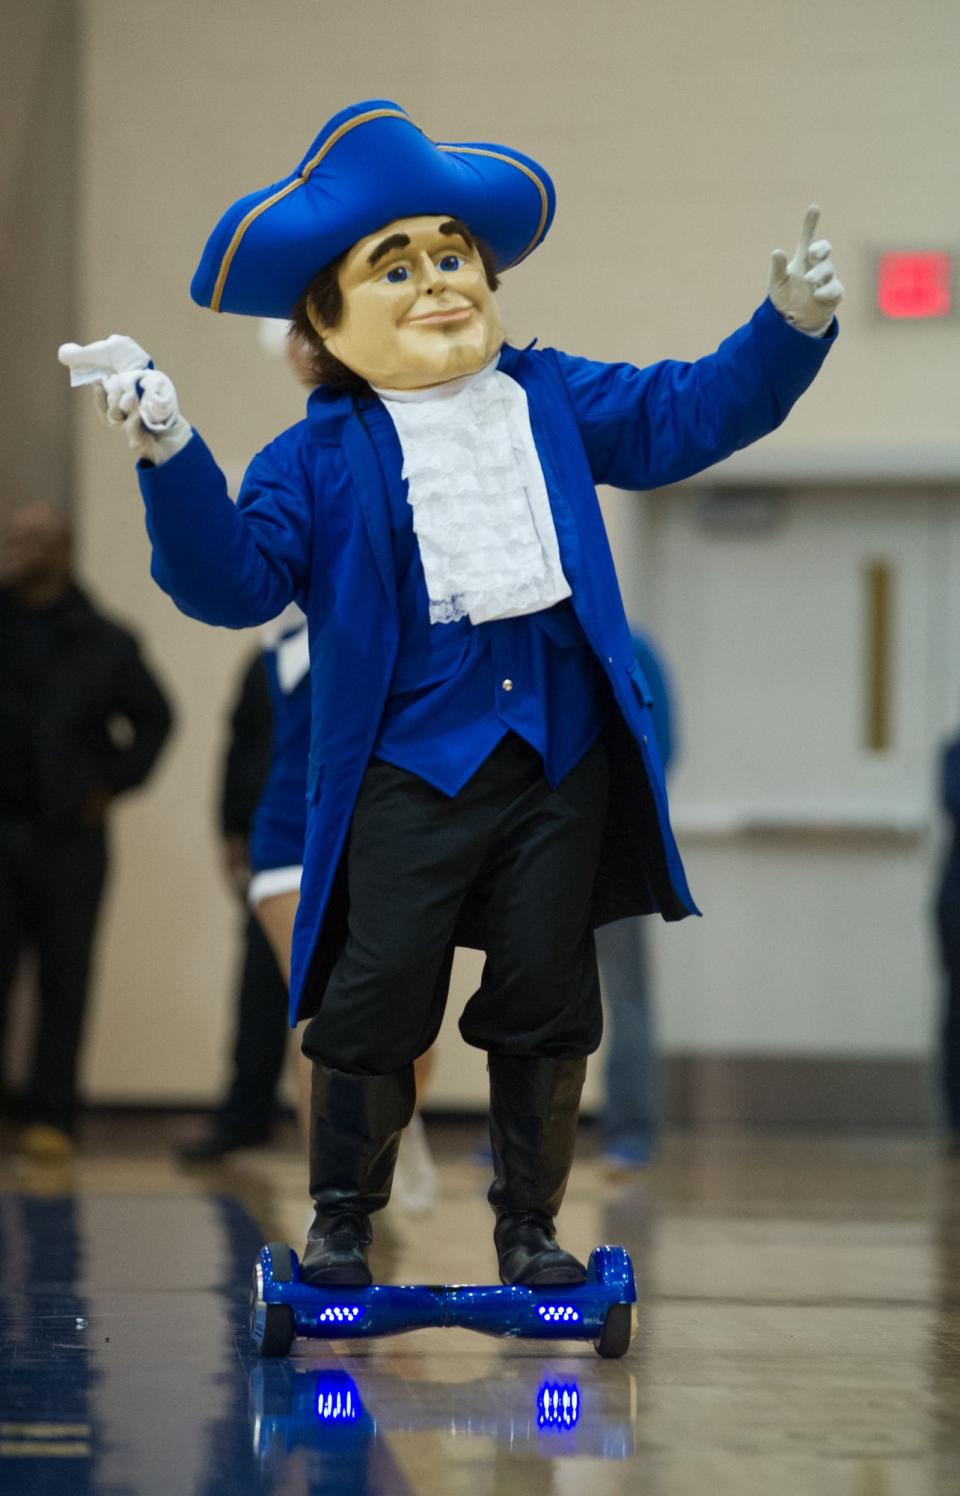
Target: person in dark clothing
{"type": "Point", "coordinates": [247, 1114]}
{"type": "Point", "coordinates": [82, 720]}
{"type": "Point", "coordinates": [948, 930]}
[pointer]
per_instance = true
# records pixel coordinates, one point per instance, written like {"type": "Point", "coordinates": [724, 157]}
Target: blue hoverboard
{"type": "Point", "coordinates": [282, 1306]}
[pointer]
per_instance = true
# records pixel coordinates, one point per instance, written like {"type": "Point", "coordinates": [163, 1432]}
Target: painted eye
{"type": "Point", "coordinates": [449, 263]}
{"type": "Point", "coordinates": [397, 275]}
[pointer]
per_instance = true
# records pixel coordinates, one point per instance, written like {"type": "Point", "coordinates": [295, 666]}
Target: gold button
{"type": "Point", "coordinates": [507, 685]}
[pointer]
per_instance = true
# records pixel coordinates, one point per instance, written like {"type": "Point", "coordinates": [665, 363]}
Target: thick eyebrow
{"type": "Point", "coordinates": [457, 226]}
{"type": "Point", "coordinates": [392, 241]}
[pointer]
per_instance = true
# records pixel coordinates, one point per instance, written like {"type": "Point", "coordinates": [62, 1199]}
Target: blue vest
{"type": "Point", "coordinates": [458, 689]}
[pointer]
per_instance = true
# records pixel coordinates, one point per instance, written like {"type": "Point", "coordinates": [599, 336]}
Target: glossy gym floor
{"type": "Point", "coordinates": [799, 1331]}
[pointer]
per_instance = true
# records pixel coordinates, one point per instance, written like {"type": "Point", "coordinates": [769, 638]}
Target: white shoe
{"type": "Point", "coordinates": [415, 1177]}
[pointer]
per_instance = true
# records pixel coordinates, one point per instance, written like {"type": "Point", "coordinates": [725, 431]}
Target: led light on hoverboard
{"type": "Point", "coordinates": [558, 1313]}
{"type": "Point", "coordinates": [558, 1405]}
{"type": "Point", "coordinates": [338, 1400]}
{"type": "Point", "coordinates": [343, 1314]}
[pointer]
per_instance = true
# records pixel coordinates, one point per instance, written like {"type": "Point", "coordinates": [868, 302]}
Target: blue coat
{"type": "Point", "coordinates": [312, 525]}
{"type": "Point", "coordinates": [661, 696]}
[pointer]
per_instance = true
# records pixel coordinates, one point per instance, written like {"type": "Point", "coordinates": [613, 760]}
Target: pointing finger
{"type": "Point", "coordinates": [810, 220]}
{"type": "Point", "coordinates": [117, 353]}
{"type": "Point", "coordinates": [84, 357]}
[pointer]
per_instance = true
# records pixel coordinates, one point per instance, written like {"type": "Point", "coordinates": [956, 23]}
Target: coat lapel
{"type": "Point", "coordinates": [545, 410]}
{"type": "Point", "coordinates": [335, 420]}
{"type": "Point", "coordinates": [359, 451]}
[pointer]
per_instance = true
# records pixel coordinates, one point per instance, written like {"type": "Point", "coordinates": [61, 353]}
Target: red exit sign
{"type": "Point", "coordinates": [915, 285]}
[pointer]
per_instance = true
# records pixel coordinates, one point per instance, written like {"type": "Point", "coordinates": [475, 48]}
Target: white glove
{"type": "Point", "coordinates": [130, 393]}
{"type": "Point", "coordinates": [805, 290]}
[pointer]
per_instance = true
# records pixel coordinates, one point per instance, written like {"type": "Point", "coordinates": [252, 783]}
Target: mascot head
{"type": "Point", "coordinates": [409, 306]}
{"type": "Point", "coordinates": [384, 248]}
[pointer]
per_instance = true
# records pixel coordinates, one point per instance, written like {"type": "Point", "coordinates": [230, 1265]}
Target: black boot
{"type": "Point", "coordinates": [534, 1105]}
{"type": "Point", "coordinates": [355, 1127]}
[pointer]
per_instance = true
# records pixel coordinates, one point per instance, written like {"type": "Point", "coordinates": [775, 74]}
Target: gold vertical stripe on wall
{"type": "Point", "coordinates": [879, 581]}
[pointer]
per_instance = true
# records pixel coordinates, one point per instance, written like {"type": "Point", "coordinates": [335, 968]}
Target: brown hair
{"type": "Point", "coordinates": [324, 298]}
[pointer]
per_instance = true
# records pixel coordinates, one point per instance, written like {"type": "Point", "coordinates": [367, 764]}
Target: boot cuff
{"type": "Point", "coordinates": [539, 1085]}
{"type": "Point", "coordinates": [374, 1106]}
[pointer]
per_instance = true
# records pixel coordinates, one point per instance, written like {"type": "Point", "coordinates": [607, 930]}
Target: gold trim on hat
{"type": "Point", "coordinates": [304, 177]}
{"type": "Point", "coordinates": [476, 150]}
{"type": "Point", "coordinates": [244, 224]}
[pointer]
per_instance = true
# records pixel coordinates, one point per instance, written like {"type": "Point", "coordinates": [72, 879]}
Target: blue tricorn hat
{"type": "Point", "coordinates": [369, 165]}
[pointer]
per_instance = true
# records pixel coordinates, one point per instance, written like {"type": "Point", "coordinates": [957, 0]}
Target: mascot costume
{"type": "Point", "coordinates": [483, 770]}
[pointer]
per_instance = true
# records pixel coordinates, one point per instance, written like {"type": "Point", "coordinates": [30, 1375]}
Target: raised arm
{"type": "Point", "coordinates": [645, 427]}
{"type": "Point", "coordinates": [233, 565]}
{"type": "Point", "coordinates": [236, 565]}
{"type": "Point", "coordinates": [130, 394]}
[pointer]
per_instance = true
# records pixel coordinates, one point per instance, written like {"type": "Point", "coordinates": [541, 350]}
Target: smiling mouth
{"type": "Point", "coordinates": [456, 314]}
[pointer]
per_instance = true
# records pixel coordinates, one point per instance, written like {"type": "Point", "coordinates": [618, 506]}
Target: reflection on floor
{"type": "Point", "coordinates": [799, 1333]}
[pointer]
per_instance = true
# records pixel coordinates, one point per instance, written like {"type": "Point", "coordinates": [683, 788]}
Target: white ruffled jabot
{"type": "Point", "coordinates": [481, 512]}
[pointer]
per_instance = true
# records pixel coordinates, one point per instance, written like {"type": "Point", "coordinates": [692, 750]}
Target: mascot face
{"type": "Point", "coordinates": [417, 310]}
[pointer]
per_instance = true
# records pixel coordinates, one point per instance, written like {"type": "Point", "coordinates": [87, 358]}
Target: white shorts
{"type": "Point", "coordinates": [273, 881]}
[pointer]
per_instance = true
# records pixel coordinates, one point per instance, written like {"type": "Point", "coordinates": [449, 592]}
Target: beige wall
{"type": "Point", "coordinates": [685, 142]}
{"type": "Point", "coordinates": [38, 256]}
